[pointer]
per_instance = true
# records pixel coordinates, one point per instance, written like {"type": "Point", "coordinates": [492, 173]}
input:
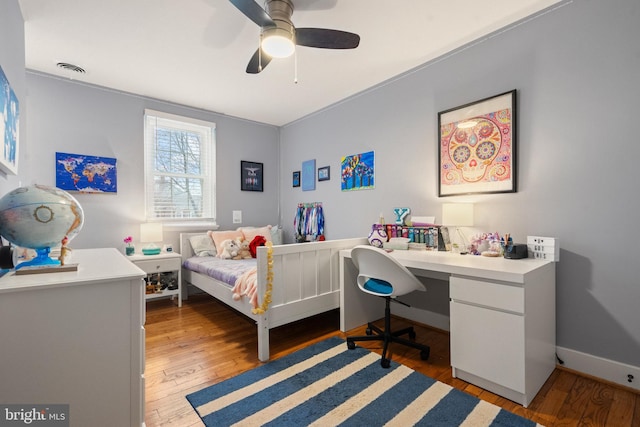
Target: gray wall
{"type": "Point", "coordinates": [575, 69]}
{"type": "Point", "coordinates": [12, 63]}
{"type": "Point", "coordinates": [67, 116]}
{"type": "Point", "coordinates": [576, 72]}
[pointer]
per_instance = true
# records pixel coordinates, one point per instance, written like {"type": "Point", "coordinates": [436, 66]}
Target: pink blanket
{"type": "Point", "coordinates": [247, 286]}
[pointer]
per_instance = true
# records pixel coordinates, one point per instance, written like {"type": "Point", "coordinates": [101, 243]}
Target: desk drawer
{"type": "Point", "coordinates": [488, 294]}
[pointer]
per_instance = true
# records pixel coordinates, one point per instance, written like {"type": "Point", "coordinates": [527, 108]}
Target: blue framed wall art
{"type": "Point", "coordinates": [9, 126]}
{"type": "Point", "coordinates": [87, 174]}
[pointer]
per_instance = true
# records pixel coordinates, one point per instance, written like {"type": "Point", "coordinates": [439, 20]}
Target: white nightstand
{"type": "Point", "coordinates": [154, 265]}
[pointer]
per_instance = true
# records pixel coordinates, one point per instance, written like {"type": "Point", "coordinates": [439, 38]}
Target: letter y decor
{"type": "Point", "coordinates": [401, 215]}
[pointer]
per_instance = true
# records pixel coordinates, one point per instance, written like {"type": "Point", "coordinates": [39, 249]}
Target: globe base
{"type": "Point", "coordinates": [42, 258]}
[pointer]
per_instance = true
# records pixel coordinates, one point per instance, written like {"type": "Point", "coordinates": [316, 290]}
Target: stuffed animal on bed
{"type": "Point", "coordinates": [243, 249]}
{"type": "Point", "coordinates": [253, 246]}
{"type": "Point", "coordinates": [229, 249]}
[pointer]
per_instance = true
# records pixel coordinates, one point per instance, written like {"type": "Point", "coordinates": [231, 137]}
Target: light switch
{"type": "Point", "coordinates": [237, 217]}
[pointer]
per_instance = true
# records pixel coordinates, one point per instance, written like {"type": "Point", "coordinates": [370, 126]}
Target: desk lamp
{"type": "Point", "coordinates": [458, 215]}
{"type": "Point", "coordinates": [151, 233]}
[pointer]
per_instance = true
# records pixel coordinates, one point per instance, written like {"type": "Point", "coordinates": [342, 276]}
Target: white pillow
{"type": "Point", "coordinates": [276, 235]}
{"type": "Point", "coordinates": [202, 245]}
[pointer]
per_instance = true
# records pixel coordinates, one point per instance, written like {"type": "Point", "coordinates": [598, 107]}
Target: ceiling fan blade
{"type": "Point", "coordinates": [253, 11]}
{"type": "Point", "coordinates": [326, 39]}
{"type": "Point", "coordinates": [253, 67]}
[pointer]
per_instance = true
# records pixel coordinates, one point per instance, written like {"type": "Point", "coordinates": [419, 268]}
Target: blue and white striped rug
{"type": "Point", "coordinates": [328, 385]}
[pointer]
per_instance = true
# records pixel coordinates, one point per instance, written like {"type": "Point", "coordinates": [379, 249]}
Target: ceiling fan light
{"type": "Point", "coordinates": [278, 43]}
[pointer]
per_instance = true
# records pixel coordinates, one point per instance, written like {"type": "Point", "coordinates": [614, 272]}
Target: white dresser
{"type": "Point", "coordinates": [76, 338]}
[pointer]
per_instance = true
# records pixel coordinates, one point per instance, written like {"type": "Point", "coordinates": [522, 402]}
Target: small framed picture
{"type": "Point", "coordinates": [296, 179]}
{"type": "Point", "coordinates": [308, 175]}
{"type": "Point", "coordinates": [323, 173]}
{"type": "Point", "coordinates": [251, 176]}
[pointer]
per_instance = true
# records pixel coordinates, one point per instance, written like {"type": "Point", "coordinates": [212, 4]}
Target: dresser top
{"type": "Point", "coordinates": [94, 266]}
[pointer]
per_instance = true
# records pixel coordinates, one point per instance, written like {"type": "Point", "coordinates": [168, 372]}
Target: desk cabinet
{"type": "Point", "coordinates": [76, 338]}
{"type": "Point", "coordinates": [501, 340]}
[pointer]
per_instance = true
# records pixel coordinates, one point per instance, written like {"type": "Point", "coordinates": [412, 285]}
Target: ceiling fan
{"type": "Point", "coordinates": [279, 36]}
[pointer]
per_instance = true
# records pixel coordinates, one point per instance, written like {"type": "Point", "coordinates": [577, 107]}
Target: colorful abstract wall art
{"type": "Point", "coordinates": [358, 172]}
{"type": "Point", "coordinates": [9, 126]}
{"type": "Point", "coordinates": [87, 174]}
{"type": "Point", "coordinates": [477, 147]}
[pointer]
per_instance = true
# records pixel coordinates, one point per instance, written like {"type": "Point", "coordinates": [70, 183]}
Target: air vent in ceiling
{"type": "Point", "coordinates": [71, 67]}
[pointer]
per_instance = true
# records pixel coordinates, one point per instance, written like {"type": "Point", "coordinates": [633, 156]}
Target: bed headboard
{"type": "Point", "coordinates": [185, 246]}
{"type": "Point", "coordinates": [187, 251]}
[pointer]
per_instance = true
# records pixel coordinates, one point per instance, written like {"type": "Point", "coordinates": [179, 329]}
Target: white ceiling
{"type": "Point", "coordinates": [194, 52]}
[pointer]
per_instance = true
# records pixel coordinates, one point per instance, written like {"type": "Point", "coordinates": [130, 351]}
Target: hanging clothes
{"type": "Point", "coordinates": [309, 222]}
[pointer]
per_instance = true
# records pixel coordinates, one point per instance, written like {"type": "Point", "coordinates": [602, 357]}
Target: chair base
{"type": "Point", "coordinates": [387, 336]}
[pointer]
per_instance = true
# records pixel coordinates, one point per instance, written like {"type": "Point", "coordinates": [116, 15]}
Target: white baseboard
{"type": "Point", "coordinates": [609, 370]}
{"type": "Point", "coordinates": [598, 367]}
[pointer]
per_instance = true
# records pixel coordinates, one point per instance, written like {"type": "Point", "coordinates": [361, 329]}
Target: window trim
{"type": "Point", "coordinates": [149, 158]}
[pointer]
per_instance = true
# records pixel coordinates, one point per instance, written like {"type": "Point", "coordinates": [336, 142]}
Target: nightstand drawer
{"type": "Point", "coordinates": [159, 265]}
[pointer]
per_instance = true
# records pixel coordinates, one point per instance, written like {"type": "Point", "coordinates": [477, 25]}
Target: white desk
{"type": "Point", "coordinates": [502, 316]}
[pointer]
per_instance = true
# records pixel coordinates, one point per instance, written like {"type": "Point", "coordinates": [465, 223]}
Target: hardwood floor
{"type": "Point", "coordinates": [204, 343]}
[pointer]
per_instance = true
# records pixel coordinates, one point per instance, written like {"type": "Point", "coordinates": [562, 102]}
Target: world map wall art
{"type": "Point", "coordinates": [87, 174]}
{"type": "Point", "coordinates": [477, 147]}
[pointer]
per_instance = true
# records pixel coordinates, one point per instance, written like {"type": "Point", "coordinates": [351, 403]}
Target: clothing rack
{"type": "Point", "coordinates": [309, 222]}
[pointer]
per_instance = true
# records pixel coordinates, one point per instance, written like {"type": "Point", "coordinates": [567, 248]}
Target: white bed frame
{"type": "Point", "coordinates": [306, 282]}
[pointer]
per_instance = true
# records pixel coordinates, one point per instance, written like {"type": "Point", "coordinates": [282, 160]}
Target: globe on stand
{"type": "Point", "coordinates": [39, 217]}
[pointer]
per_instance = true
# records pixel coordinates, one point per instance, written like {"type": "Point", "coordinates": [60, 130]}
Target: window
{"type": "Point", "coordinates": [179, 167]}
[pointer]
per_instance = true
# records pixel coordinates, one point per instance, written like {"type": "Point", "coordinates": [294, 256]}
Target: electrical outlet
{"type": "Point", "coordinates": [544, 248]}
{"type": "Point", "coordinates": [237, 217]}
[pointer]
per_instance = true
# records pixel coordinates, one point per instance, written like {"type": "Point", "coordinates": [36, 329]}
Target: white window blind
{"type": "Point", "coordinates": [179, 167]}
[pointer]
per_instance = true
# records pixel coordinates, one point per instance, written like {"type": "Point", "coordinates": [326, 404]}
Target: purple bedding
{"type": "Point", "coordinates": [224, 270]}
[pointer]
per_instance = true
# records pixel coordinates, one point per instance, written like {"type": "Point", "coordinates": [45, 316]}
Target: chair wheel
{"type": "Point", "coordinates": [424, 354]}
{"type": "Point", "coordinates": [412, 335]}
{"type": "Point", "coordinates": [385, 363]}
{"type": "Point", "coordinates": [351, 345]}
{"type": "Point", "coordinates": [368, 331]}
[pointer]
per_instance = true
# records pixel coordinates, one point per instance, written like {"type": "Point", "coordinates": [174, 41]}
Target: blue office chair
{"type": "Point", "coordinates": [381, 275]}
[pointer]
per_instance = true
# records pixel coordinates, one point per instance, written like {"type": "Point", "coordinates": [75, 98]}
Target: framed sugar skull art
{"type": "Point", "coordinates": [477, 147]}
